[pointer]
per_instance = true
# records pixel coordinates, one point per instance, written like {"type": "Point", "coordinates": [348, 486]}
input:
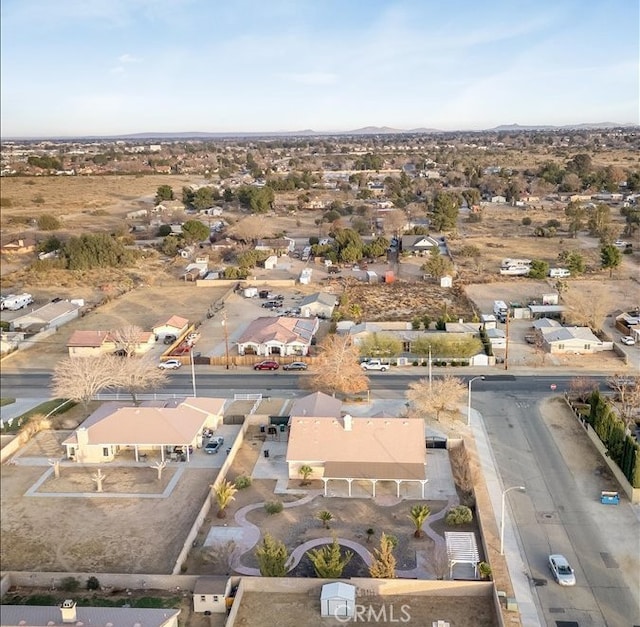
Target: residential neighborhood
{"type": "Point", "coordinates": [275, 352]}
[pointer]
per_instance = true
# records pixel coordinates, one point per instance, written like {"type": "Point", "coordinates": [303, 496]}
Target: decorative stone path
{"type": "Point", "coordinates": [251, 537]}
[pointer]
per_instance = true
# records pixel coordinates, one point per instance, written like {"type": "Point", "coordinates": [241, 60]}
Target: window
{"type": "Point", "coordinates": [105, 451]}
{"type": "Point", "coordinates": [587, 347]}
{"type": "Point", "coordinates": [215, 598]}
{"type": "Point", "coordinates": [560, 347]}
{"type": "Point", "coordinates": [203, 597]}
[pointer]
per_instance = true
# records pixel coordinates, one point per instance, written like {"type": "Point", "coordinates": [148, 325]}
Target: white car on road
{"type": "Point", "coordinates": [628, 340]}
{"type": "Point", "coordinates": [561, 570]}
{"type": "Point", "coordinates": [170, 364]}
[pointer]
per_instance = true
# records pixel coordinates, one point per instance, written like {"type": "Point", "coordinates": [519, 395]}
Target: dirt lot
{"type": "Point", "coordinates": [99, 534]}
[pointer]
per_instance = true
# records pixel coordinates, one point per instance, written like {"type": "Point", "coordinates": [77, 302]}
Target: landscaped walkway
{"type": "Point", "coordinates": [251, 537]}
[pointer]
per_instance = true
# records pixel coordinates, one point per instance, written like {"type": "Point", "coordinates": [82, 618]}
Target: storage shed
{"type": "Point", "coordinates": [338, 600]}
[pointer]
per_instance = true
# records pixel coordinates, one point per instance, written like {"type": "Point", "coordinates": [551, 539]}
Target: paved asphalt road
{"type": "Point", "coordinates": [553, 516]}
{"type": "Point", "coordinates": [225, 384]}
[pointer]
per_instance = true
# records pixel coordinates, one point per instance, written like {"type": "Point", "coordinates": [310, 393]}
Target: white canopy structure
{"type": "Point", "coordinates": [462, 549]}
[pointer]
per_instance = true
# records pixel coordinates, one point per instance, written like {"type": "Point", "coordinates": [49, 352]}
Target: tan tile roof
{"type": "Point", "coordinates": [175, 321]}
{"type": "Point", "coordinates": [177, 422]}
{"type": "Point", "coordinates": [89, 338]}
{"type": "Point", "coordinates": [392, 440]}
{"type": "Point", "coordinates": [285, 330]}
{"type": "Point", "coordinates": [374, 470]}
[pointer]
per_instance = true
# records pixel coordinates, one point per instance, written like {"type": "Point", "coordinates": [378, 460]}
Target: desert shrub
{"type": "Point", "coordinates": [47, 222]}
{"type": "Point", "coordinates": [459, 515]}
{"type": "Point", "coordinates": [69, 584]}
{"type": "Point", "coordinates": [242, 482]}
{"type": "Point", "coordinates": [93, 583]}
{"type": "Point", "coordinates": [526, 221]}
{"type": "Point", "coordinates": [99, 212]}
{"type": "Point", "coordinates": [273, 507]}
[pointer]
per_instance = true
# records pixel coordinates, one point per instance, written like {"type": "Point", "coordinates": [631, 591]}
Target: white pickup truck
{"type": "Point", "coordinates": [374, 364]}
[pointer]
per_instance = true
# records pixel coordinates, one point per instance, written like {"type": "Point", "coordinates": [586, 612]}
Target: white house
{"type": "Point", "coordinates": [419, 244]}
{"type": "Point", "coordinates": [271, 262]}
{"type": "Point", "coordinates": [278, 336]}
{"type": "Point", "coordinates": [320, 304]}
{"type": "Point", "coordinates": [576, 340]}
{"type": "Point", "coordinates": [210, 594]}
{"type": "Point", "coordinates": [49, 316]}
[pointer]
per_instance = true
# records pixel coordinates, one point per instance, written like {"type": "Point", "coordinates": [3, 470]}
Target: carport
{"type": "Point", "coordinates": [374, 472]}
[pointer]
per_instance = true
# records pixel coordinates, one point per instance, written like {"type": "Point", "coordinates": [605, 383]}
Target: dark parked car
{"type": "Point", "coordinates": [271, 304]}
{"type": "Point", "coordinates": [169, 339]}
{"type": "Point", "coordinates": [295, 365]}
{"type": "Point", "coordinates": [267, 365]}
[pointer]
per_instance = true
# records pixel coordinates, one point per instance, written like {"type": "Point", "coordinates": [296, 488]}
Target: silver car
{"type": "Point", "coordinates": [561, 570]}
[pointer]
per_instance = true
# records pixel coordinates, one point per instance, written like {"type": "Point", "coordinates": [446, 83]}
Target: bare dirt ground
{"type": "Point", "coordinates": [100, 534]}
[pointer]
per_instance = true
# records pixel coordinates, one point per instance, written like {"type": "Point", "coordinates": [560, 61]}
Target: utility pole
{"type": "Point", "coordinates": [506, 345]}
{"type": "Point", "coordinates": [430, 366]}
{"type": "Point", "coordinates": [226, 338]}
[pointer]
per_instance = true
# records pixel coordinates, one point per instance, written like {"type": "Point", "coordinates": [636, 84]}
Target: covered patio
{"type": "Point", "coordinates": [374, 472]}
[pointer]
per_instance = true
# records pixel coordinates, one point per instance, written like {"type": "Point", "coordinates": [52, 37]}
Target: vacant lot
{"type": "Point", "coordinates": [102, 534]}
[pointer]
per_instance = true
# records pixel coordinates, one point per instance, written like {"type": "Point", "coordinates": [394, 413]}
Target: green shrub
{"type": "Point", "coordinates": [415, 363]}
{"type": "Point", "coordinates": [69, 584]}
{"type": "Point", "coordinates": [273, 507]}
{"type": "Point", "coordinates": [526, 221]}
{"type": "Point", "coordinates": [459, 515]}
{"type": "Point", "coordinates": [242, 482]}
{"type": "Point", "coordinates": [93, 583]}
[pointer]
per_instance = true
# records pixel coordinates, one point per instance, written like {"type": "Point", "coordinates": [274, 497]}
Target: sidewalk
{"type": "Point", "coordinates": [22, 405]}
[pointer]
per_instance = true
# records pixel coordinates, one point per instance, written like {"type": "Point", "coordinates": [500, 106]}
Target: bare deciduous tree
{"type": "Point", "coordinates": [587, 308]}
{"type": "Point", "coordinates": [221, 555]}
{"type": "Point", "coordinates": [81, 378]}
{"type": "Point", "coordinates": [580, 388]}
{"type": "Point", "coordinates": [627, 391]}
{"type": "Point", "coordinates": [127, 339]}
{"type": "Point", "coordinates": [98, 478]}
{"type": "Point", "coordinates": [394, 222]}
{"type": "Point", "coordinates": [159, 467]}
{"type": "Point", "coordinates": [137, 375]}
{"type": "Point", "coordinates": [441, 395]}
{"type": "Point", "coordinates": [337, 369]}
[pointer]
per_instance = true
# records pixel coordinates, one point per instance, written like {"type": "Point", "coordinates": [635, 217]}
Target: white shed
{"type": "Point", "coordinates": [338, 600]}
{"type": "Point", "coordinates": [271, 262]}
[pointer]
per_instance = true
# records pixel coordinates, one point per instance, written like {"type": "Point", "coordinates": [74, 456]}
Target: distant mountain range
{"type": "Point", "coordinates": [367, 130]}
{"type": "Point", "coordinates": [374, 130]}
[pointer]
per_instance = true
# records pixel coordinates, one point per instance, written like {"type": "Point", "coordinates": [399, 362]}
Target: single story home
{"type": "Point", "coordinates": [70, 614]}
{"type": "Point", "coordinates": [320, 304]}
{"type": "Point", "coordinates": [153, 425]}
{"type": "Point", "coordinates": [278, 336]}
{"type": "Point", "coordinates": [497, 338]}
{"type": "Point", "coordinates": [576, 340]}
{"type": "Point", "coordinates": [49, 316]}
{"type": "Point", "coordinates": [276, 245]}
{"type": "Point", "coordinates": [86, 343]}
{"type": "Point", "coordinates": [316, 404]}
{"type": "Point", "coordinates": [358, 449]}
{"type": "Point", "coordinates": [418, 244]}
{"type": "Point", "coordinates": [175, 325]}
{"type": "Point", "coordinates": [210, 594]}
{"type": "Point", "coordinates": [20, 246]}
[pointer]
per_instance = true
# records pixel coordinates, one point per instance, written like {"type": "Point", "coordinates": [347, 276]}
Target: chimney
{"type": "Point", "coordinates": [68, 610]}
{"type": "Point", "coordinates": [83, 436]}
{"type": "Point", "coordinates": [347, 422]}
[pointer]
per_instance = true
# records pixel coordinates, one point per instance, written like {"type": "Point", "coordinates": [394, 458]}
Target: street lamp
{"type": "Point", "coordinates": [193, 372]}
{"type": "Point", "coordinates": [469, 398]}
{"type": "Point", "coordinates": [520, 488]}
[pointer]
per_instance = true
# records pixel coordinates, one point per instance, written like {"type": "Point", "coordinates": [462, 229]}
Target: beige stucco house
{"type": "Point", "coordinates": [358, 449]}
{"type": "Point", "coordinates": [175, 325]}
{"type": "Point", "coordinates": [95, 343]}
{"type": "Point", "coordinates": [154, 425]}
{"type": "Point", "coordinates": [574, 340]}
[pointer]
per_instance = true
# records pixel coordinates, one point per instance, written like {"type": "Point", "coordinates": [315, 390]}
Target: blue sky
{"type": "Point", "coordinates": [105, 67]}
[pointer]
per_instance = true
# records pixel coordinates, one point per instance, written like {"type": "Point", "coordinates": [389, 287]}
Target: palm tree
{"type": "Point", "coordinates": [305, 472]}
{"type": "Point", "coordinates": [418, 514]}
{"type": "Point", "coordinates": [224, 493]}
{"type": "Point", "coordinates": [326, 517]}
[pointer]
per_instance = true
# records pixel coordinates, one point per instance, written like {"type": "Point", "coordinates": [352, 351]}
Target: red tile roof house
{"type": "Point", "coordinates": [173, 326]}
{"type": "Point", "coordinates": [154, 425]}
{"type": "Point", "coordinates": [278, 336]}
{"type": "Point", "coordinates": [96, 343]}
{"type": "Point", "coordinates": [358, 449]}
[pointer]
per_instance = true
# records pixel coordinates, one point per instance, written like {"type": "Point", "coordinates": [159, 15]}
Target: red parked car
{"type": "Point", "coordinates": [267, 365]}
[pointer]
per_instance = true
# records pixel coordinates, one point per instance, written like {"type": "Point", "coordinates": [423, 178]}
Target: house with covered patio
{"type": "Point", "coordinates": [151, 426]}
{"type": "Point", "coordinates": [360, 449]}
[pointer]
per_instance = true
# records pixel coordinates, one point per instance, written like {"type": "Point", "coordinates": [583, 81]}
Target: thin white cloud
{"type": "Point", "coordinates": [129, 58]}
{"type": "Point", "coordinates": [312, 78]}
